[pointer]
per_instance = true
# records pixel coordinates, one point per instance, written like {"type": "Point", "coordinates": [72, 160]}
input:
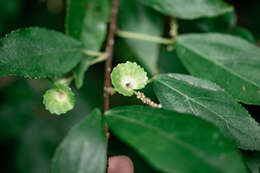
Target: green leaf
{"type": "Point", "coordinates": [231, 62]}
{"type": "Point", "coordinates": [135, 17]}
{"type": "Point", "coordinates": [86, 21]}
{"type": "Point", "coordinates": [189, 9]}
{"type": "Point", "coordinates": [187, 94]}
{"type": "Point", "coordinates": [173, 142]}
{"type": "Point", "coordinates": [38, 53]}
{"type": "Point", "coordinates": [243, 33]}
{"type": "Point", "coordinates": [79, 71]}
{"type": "Point", "coordinates": [84, 148]}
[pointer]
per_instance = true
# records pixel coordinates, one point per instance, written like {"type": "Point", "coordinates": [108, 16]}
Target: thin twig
{"type": "Point", "coordinates": [98, 59]}
{"type": "Point", "coordinates": [145, 37]}
{"type": "Point", "coordinates": [91, 52]}
{"type": "Point", "coordinates": [109, 52]}
{"type": "Point", "coordinates": [109, 55]}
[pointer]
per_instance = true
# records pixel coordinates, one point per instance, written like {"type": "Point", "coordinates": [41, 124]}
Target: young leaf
{"type": "Point", "coordinates": [231, 62]}
{"type": "Point", "coordinates": [86, 21]}
{"type": "Point", "coordinates": [38, 53]}
{"type": "Point", "coordinates": [187, 94]}
{"type": "Point", "coordinates": [84, 149]}
{"type": "Point", "coordinates": [135, 17]}
{"type": "Point", "coordinates": [189, 9]}
{"type": "Point", "coordinates": [173, 142]}
{"type": "Point", "coordinates": [79, 71]}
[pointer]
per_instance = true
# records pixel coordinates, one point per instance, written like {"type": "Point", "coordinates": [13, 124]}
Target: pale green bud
{"type": "Point", "coordinates": [127, 77]}
{"type": "Point", "coordinates": [59, 99]}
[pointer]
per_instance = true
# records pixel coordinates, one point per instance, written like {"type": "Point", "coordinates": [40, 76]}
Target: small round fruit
{"type": "Point", "coordinates": [127, 77]}
{"type": "Point", "coordinates": [59, 99]}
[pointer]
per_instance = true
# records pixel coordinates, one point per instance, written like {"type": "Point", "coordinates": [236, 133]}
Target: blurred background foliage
{"type": "Point", "coordinates": [29, 134]}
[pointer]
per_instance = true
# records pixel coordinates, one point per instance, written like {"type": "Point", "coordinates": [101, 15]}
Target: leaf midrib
{"type": "Point", "coordinates": [205, 107]}
{"type": "Point", "coordinates": [190, 98]}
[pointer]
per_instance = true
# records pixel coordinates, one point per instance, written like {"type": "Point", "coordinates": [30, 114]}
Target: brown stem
{"type": "Point", "coordinates": [109, 52]}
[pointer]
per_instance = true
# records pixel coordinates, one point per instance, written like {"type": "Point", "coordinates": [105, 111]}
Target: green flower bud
{"type": "Point", "coordinates": [127, 77]}
{"type": "Point", "coordinates": [59, 99]}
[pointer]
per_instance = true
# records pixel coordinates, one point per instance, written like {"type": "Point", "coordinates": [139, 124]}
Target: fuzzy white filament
{"type": "Point", "coordinates": [128, 83]}
{"type": "Point", "coordinates": [60, 96]}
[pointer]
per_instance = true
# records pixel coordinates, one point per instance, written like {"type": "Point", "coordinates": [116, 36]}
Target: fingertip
{"type": "Point", "coordinates": [120, 164]}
